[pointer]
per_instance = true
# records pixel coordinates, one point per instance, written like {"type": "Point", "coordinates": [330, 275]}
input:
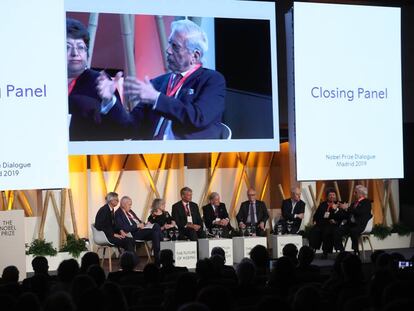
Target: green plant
{"type": "Point", "coordinates": [40, 247]}
{"type": "Point", "coordinates": [74, 246]}
{"type": "Point", "coordinates": [381, 231]}
{"type": "Point", "coordinates": [401, 229]}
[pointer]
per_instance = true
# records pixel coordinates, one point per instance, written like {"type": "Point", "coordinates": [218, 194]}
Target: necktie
{"type": "Point", "coordinates": [164, 123]}
{"type": "Point", "coordinates": [252, 215]}
{"type": "Point", "coordinates": [112, 217]}
{"type": "Point", "coordinates": [187, 210]}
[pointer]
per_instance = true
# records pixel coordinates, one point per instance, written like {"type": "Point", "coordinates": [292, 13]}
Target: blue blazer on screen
{"type": "Point", "coordinates": [196, 113]}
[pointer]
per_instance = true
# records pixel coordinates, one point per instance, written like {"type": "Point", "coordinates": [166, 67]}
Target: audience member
{"type": "Point", "coordinates": [89, 259]}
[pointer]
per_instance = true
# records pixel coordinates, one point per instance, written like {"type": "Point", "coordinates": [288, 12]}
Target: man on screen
{"type": "Point", "coordinates": [187, 103]}
{"type": "Point", "coordinates": [89, 91]}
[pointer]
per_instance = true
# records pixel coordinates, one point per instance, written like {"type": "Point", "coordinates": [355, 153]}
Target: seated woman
{"type": "Point", "coordinates": [160, 216]}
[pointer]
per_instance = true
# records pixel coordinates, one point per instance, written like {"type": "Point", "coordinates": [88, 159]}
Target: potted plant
{"type": "Point", "coordinates": [40, 247]}
{"type": "Point", "coordinates": [401, 229]}
{"type": "Point", "coordinates": [381, 231]}
{"type": "Point", "coordinates": [74, 246]}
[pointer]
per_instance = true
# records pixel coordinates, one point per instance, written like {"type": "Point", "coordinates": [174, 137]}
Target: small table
{"type": "Point", "coordinates": [243, 245]}
{"type": "Point", "coordinates": [279, 241]}
{"type": "Point", "coordinates": [206, 245]}
{"type": "Point", "coordinates": [184, 252]}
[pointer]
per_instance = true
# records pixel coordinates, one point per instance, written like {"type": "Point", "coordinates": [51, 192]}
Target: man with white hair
{"type": "Point", "coordinates": [357, 216]}
{"type": "Point", "coordinates": [186, 103]}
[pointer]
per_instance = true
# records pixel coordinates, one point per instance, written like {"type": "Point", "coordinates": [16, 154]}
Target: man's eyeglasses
{"type": "Point", "coordinates": [79, 48]}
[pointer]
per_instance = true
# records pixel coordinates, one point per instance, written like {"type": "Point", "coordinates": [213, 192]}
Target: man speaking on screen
{"type": "Point", "coordinates": [187, 103]}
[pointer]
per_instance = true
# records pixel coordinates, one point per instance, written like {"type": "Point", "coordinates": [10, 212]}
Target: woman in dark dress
{"type": "Point", "coordinates": [160, 216]}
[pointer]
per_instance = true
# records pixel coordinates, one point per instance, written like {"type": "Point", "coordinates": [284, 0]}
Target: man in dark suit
{"type": "Point", "coordinates": [357, 216]}
{"type": "Point", "coordinates": [253, 213]}
{"type": "Point", "coordinates": [293, 211]}
{"type": "Point", "coordinates": [187, 216]}
{"type": "Point", "coordinates": [215, 215]}
{"type": "Point", "coordinates": [90, 92]}
{"type": "Point", "coordinates": [187, 103]}
{"type": "Point", "coordinates": [105, 221]}
{"type": "Point", "coordinates": [128, 221]}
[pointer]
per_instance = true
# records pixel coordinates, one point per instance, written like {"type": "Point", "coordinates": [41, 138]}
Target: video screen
{"type": "Point", "coordinates": [171, 77]}
{"type": "Point", "coordinates": [348, 102]}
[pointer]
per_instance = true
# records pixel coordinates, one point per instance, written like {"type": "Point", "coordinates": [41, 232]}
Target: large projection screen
{"type": "Point", "coordinates": [262, 132]}
{"type": "Point", "coordinates": [348, 105]}
{"type": "Point", "coordinates": [33, 95]}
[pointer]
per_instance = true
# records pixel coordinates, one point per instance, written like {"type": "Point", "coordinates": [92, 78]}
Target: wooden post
{"type": "Point", "coordinates": [92, 27]}
{"type": "Point", "coordinates": [282, 193]}
{"type": "Point", "coordinates": [351, 191]}
{"type": "Point", "coordinates": [162, 37]}
{"type": "Point", "coordinates": [44, 214]}
{"type": "Point", "coordinates": [338, 193]}
{"type": "Point", "coordinates": [72, 213]}
{"type": "Point", "coordinates": [62, 217]}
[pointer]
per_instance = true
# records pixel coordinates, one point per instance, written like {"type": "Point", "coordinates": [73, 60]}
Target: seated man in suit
{"type": "Point", "coordinates": [356, 217]}
{"type": "Point", "coordinates": [129, 222]}
{"type": "Point", "coordinates": [89, 91]}
{"type": "Point", "coordinates": [253, 213]}
{"type": "Point", "coordinates": [326, 219]}
{"type": "Point", "coordinates": [186, 103]}
{"type": "Point", "coordinates": [215, 215]}
{"type": "Point", "coordinates": [187, 216]}
{"type": "Point", "coordinates": [105, 221]}
{"type": "Point", "coordinates": [293, 211]}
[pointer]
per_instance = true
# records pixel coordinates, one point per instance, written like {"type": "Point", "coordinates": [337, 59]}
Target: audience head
{"type": "Point", "coordinates": [337, 266]}
{"type": "Point", "coordinates": [89, 259]}
{"type": "Point", "coordinates": [204, 269]}
{"type": "Point", "coordinates": [352, 268]}
{"type": "Point", "coordinates": [217, 250]}
{"type": "Point", "coordinates": [59, 301]}
{"type": "Point", "coordinates": [166, 258]}
{"type": "Point", "coordinates": [260, 257]}
{"type": "Point", "coordinates": [128, 261]}
{"type": "Point", "coordinates": [306, 256]}
{"type": "Point", "coordinates": [375, 254]}
{"type": "Point", "coordinates": [251, 194]}
{"type": "Point", "coordinates": [246, 272]}
{"type": "Point", "coordinates": [10, 274]}
{"type": "Point", "coordinates": [67, 270]}
{"type": "Point", "coordinates": [114, 297]}
{"type": "Point", "coordinates": [186, 194]}
{"type": "Point", "coordinates": [40, 265]}
{"type": "Point", "coordinates": [295, 194]}
{"type": "Point", "coordinates": [112, 199]}
{"type": "Point", "coordinates": [306, 298]}
{"type": "Point", "coordinates": [215, 297]}
{"type": "Point", "coordinates": [28, 301]}
{"type": "Point", "coordinates": [151, 274]}
{"type": "Point", "coordinates": [290, 251]}
{"type": "Point", "coordinates": [218, 262]}
{"type": "Point", "coordinates": [81, 284]}
{"type": "Point", "coordinates": [97, 274]}
{"type": "Point", "coordinates": [158, 204]}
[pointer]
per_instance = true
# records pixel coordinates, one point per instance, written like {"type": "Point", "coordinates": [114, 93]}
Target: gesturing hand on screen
{"type": "Point", "coordinates": [105, 86]}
